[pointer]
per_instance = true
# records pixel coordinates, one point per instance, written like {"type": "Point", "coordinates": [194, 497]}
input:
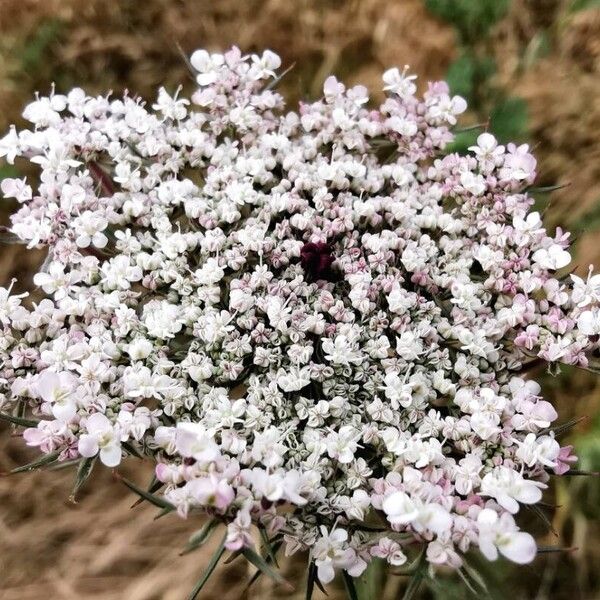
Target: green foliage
{"type": "Point", "coordinates": [16, 420]}
{"type": "Point", "coordinates": [462, 141]}
{"type": "Point", "coordinates": [34, 52]}
{"type": "Point", "coordinates": [263, 566]}
{"type": "Point", "coordinates": [508, 119]}
{"type": "Point", "coordinates": [45, 459]}
{"type": "Point", "coordinates": [214, 561]}
{"type": "Point", "coordinates": [461, 75]}
{"type": "Point", "coordinates": [587, 488]}
{"type": "Point", "coordinates": [368, 584]}
{"type": "Point", "coordinates": [201, 536]}
{"type": "Point", "coordinates": [157, 501]}
{"type": "Point", "coordinates": [467, 70]}
{"type": "Point", "coordinates": [471, 74]}
{"type": "Point", "coordinates": [416, 578]}
{"type": "Point", "coordinates": [578, 5]}
{"type": "Point", "coordinates": [471, 18]}
{"type": "Point", "coordinates": [588, 447]}
{"type": "Point", "coordinates": [84, 470]}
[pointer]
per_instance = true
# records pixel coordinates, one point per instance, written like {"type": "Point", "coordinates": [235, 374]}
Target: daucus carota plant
{"type": "Point", "coordinates": [315, 322]}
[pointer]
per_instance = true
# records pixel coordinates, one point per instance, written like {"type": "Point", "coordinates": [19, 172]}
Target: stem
{"type": "Point", "coordinates": [369, 586]}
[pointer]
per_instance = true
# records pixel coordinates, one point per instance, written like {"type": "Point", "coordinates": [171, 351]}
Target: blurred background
{"type": "Point", "coordinates": [530, 70]}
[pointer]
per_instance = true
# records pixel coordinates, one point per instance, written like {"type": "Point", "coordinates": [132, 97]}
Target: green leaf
{"type": "Point", "coordinates": [562, 428]}
{"type": "Point", "coordinates": [350, 587]}
{"type": "Point", "coordinates": [154, 486]}
{"type": "Point", "coordinates": [580, 473]}
{"type": "Point", "coordinates": [258, 574]}
{"type": "Point", "coordinates": [460, 75]}
{"type": "Point", "coordinates": [471, 18]}
{"type": "Point", "coordinates": [538, 512]}
{"type": "Point", "coordinates": [8, 171]}
{"type": "Point", "coordinates": [46, 459]}
{"type": "Point", "coordinates": [163, 512]}
{"type": "Point", "coordinates": [462, 141]}
{"type": "Point", "coordinates": [368, 585]}
{"type": "Point", "coordinates": [546, 189]}
{"type": "Point", "coordinates": [553, 549]}
{"type": "Point", "coordinates": [268, 546]}
{"type": "Point", "coordinates": [476, 577]}
{"type": "Point", "coordinates": [508, 119]}
{"type": "Point", "coordinates": [310, 580]}
{"type": "Point", "coordinates": [155, 500]}
{"type": "Point", "coordinates": [416, 579]}
{"type": "Point", "coordinates": [18, 420]}
{"type": "Point", "coordinates": [467, 582]}
{"type": "Point", "coordinates": [131, 449]}
{"type": "Point", "coordinates": [273, 84]}
{"type": "Point", "coordinates": [233, 556]}
{"type": "Point", "coordinates": [84, 471]}
{"type": "Point", "coordinates": [260, 563]}
{"type": "Point", "coordinates": [201, 536]}
{"type": "Point", "coordinates": [578, 5]}
{"type": "Point", "coordinates": [216, 557]}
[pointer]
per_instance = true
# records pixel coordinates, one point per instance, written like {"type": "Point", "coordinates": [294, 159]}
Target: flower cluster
{"type": "Point", "coordinates": [316, 322]}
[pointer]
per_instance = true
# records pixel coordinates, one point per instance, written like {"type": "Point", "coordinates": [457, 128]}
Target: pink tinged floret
{"type": "Point", "coordinates": [565, 459]}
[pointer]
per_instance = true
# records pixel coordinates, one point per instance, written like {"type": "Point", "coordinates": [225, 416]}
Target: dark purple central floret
{"type": "Point", "coordinates": [316, 259]}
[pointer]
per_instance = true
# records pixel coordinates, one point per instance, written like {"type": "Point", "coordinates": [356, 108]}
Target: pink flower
{"type": "Point", "coordinates": [212, 491]}
{"type": "Point", "coordinates": [565, 458]}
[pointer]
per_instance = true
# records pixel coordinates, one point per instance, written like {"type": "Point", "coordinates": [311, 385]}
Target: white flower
{"type": "Point", "coordinates": [341, 350]}
{"type": "Point", "coordinates": [397, 390]}
{"type": "Point", "coordinates": [162, 319]}
{"type": "Point", "coordinates": [171, 107]}
{"type": "Point", "coordinates": [475, 184]}
{"type": "Point", "coordinates": [399, 83]}
{"type": "Point", "coordinates": [207, 65]}
{"type": "Point", "coordinates": [401, 509]}
{"type": "Point", "coordinates": [389, 550]}
{"type": "Point", "coordinates": [56, 281]}
{"type": "Point", "coordinates": [509, 488]}
{"type": "Point", "coordinates": [102, 437]}
{"type": "Point", "coordinates": [342, 444]}
{"type": "Point", "coordinates": [488, 152]}
{"type": "Point", "coordinates": [139, 348]}
{"type": "Point", "coordinates": [317, 308]}
{"type": "Point", "coordinates": [585, 292]}
{"type": "Point", "coordinates": [543, 450]}
{"type": "Point", "coordinates": [194, 441]}
{"type": "Point", "coordinates": [294, 379]}
{"type": "Point", "coordinates": [553, 257]}
{"type": "Point", "coordinates": [89, 229]}
{"type": "Point", "coordinates": [467, 474]}
{"type": "Point", "coordinates": [16, 188]}
{"type": "Point", "coordinates": [119, 273]}
{"type": "Point", "coordinates": [58, 389]}
{"type": "Point", "coordinates": [500, 534]}
{"type": "Point", "coordinates": [331, 552]}
{"type": "Point", "coordinates": [10, 146]}
{"type": "Point", "coordinates": [588, 322]}
{"type": "Point", "coordinates": [45, 111]}
{"type": "Point", "coordinates": [265, 65]}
